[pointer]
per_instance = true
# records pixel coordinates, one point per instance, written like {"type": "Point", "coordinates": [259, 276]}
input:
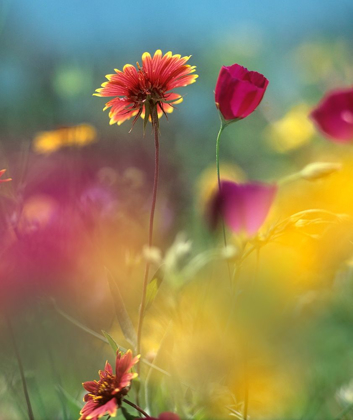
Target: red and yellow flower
{"type": "Point", "coordinates": [106, 395]}
{"type": "Point", "coordinates": [143, 90]}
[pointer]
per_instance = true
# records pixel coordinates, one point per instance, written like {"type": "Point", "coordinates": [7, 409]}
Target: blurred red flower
{"type": "Point", "coordinates": [105, 395]}
{"type": "Point", "coordinates": [239, 91]}
{"type": "Point", "coordinates": [140, 90]}
{"type": "Point", "coordinates": [1, 174]}
{"type": "Point", "coordinates": [244, 207]}
{"type": "Point", "coordinates": [334, 115]}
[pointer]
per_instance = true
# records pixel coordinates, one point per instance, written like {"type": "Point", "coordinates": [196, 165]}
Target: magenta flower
{"type": "Point", "coordinates": [244, 207]}
{"type": "Point", "coordinates": [334, 115]}
{"type": "Point", "coordinates": [239, 91]}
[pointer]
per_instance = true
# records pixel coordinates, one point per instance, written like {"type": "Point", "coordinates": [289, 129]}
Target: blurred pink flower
{"type": "Point", "coordinates": [105, 395]}
{"type": "Point", "coordinates": [6, 179]}
{"type": "Point", "coordinates": [239, 91]}
{"type": "Point", "coordinates": [334, 115]}
{"type": "Point", "coordinates": [244, 207]}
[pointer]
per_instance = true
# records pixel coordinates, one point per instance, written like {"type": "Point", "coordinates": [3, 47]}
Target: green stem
{"type": "Point", "coordinates": [223, 126]}
{"type": "Point", "coordinates": [154, 117]}
{"type": "Point", "coordinates": [217, 154]}
{"type": "Point", "coordinates": [19, 361]}
{"type": "Point", "coordinates": [136, 407]}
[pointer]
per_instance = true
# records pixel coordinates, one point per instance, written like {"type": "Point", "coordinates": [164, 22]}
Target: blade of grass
{"type": "Point", "coordinates": [120, 310]}
{"type": "Point", "coordinates": [101, 337]}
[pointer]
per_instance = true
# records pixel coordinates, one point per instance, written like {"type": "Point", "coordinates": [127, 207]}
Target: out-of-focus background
{"type": "Point", "coordinates": [54, 54]}
{"type": "Point", "coordinates": [76, 211]}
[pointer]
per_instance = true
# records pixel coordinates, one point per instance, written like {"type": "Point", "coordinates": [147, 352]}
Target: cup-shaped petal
{"type": "Point", "coordinates": [244, 207]}
{"type": "Point", "coordinates": [239, 91]}
{"type": "Point", "coordinates": [334, 115]}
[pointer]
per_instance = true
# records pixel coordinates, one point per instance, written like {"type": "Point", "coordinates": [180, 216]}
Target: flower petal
{"type": "Point", "coordinates": [334, 115]}
{"type": "Point", "coordinates": [244, 207]}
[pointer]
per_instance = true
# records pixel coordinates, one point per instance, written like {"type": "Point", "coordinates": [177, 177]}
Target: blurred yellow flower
{"type": "Point", "coordinates": [47, 142]}
{"type": "Point", "coordinates": [291, 132]}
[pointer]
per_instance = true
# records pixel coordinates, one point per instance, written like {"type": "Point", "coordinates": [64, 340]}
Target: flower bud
{"type": "Point", "coordinates": [238, 92]}
{"type": "Point", "coordinates": [317, 170]}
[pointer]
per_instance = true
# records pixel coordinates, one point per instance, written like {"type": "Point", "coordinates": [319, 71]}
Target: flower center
{"type": "Point", "coordinates": [108, 389]}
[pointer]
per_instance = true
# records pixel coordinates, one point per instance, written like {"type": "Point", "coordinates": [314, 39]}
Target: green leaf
{"type": "Point", "coordinates": [78, 323]}
{"type": "Point", "coordinates": [111, 341]}
{"type": "Point", "coordinates": [101, 337]}
{"type": "Point", "coordinates": [71, 403]}
{"type": "Point", "coordinates": [127, 415]}
{"type": "Point", "coordinates": [121, 312]}
{"type": "Point", "coordinates": [153, 287]}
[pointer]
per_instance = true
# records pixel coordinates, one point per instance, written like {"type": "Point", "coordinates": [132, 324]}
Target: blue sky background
{"type": "Point", "coordinates": [54, 54]}
{"type": "Point", "coordinates": [67, 26]}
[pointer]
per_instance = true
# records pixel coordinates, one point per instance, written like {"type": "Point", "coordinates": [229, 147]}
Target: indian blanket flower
{"type": "Point", "coordinates": [238, 92]}
{"type": "Point", "coordinates": [47, 142]}
{"type": "Point", "coordinates": [334, 115]}
{"type": "Point", "coordinates": [244, 207]}
{"type": "Point", "coordinates": [106, 395]}
{"type": "Point", "coordinates": [6, 179]}
{"type": "Point", "coordinates": [143, 90]}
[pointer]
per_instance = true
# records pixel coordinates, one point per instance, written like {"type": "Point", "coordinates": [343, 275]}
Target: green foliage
{"type": "Point", "coordinates": [111, 342]}
{"type": "Point", "coordinates": [121, 313]}
{"type": "Point", "coordinates": [153, 287]}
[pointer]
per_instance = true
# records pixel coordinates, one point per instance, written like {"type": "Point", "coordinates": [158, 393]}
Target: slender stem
{"type": "Point", "coordinates": [154, 116]}
{"type": "Point", "coordinates": [19, 361]}
{"type": "Point", "coordinates": [217, 154]}
{"type": "Point", "coordinates": [219, 187]}
{"type": "Point", "coordinates": [136, 407]}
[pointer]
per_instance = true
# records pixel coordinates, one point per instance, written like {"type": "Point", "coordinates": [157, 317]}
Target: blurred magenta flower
{"type": "Point", "coordinates": [138, 91]}
{"type": "Point", "coordinates": [6, 179]}
{"type": "Point", "coordinates": [166, 416]}
{"type": "Point", "coordinates": [244, 207]}
{"type": "Point", "coordinates": [334, 115]}
{"type": "Point", "coordinates": [105, 395]}
{"type": "Point", "coordinates": [239, 91]}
